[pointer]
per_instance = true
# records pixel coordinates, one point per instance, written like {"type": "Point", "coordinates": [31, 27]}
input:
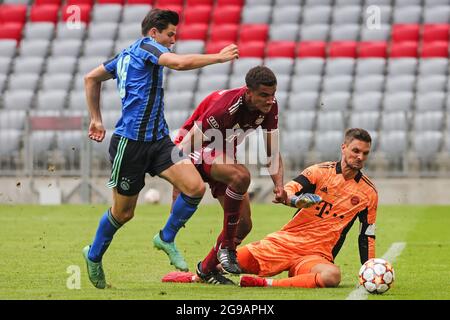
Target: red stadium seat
{"type": "Point", "coordinates": [376, 49]}
{"type": "Point", "coordinates": [78, 2]}
{"type": "Point", "coordinates": [342, 49]}
{"type": "Point", "coordinates": [403, 49]}
{"type": "Point", "coordinates": [309, 49]}
{"type": "Point", "coordinates": [121, 2]}
{"type": "Point", "coordinates": [435, 32]}
{"type": "Point", "coordinates": [199, 14]}
{"type": "Point", "coordinates": [437, 49]}
{"type": "Point", "coordinates": [227, 15]}
{"type": "Point", "coordinates": [11, 31]}
{"type": "Point", "coordinates": [221, 3]}
{"type": "Point", "coordinates": [281, 49]}
{"type": "Point", "coordinates": [44, 2]}
{"type": "Point", "coordinates": [191, 3]}
{"type": "Point", "coordinates": [223, 32]}
{"type": "Point", "coordinates": [254, 32]}
{"type": "Point", "coordinates": [164, 3]}
{"type": "Point", "coordinates": [14, 13]}
{"type": "Point", "coordinates": [192, 32]}
{"type": "Point", "coordinates": [252, 49]}
{"type": "Point", "coordinates": [85, 12]}
{"type": "Point", "coordinates": [44, 13]}
{"type": "Point", "coordinates": [405, 32]}
{"type": "Point", "coordinates": [216, 46]}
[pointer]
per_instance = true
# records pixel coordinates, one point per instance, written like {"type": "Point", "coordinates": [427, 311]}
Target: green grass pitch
{"type": "Point", "coordinates": [39, 244]}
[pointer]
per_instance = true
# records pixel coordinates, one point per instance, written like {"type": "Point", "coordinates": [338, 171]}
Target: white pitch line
{"type": "Point", "coordinates": [393, 252]}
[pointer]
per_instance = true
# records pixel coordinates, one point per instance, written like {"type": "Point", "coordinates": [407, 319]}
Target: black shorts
{"type": "Point", "coordinates": [131, 160]}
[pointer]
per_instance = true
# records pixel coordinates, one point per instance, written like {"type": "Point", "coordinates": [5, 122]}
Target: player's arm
{"type": "Point", "coordinates": [92, 84]}
{"type": "Point", "coordinates": [300, 191]}
{"type": "Point", "coordinates": [275, 164]}
{"type": "Point", "coordinates": [194, 61]}
{"type": "Point", "coordinates": [366, 238]}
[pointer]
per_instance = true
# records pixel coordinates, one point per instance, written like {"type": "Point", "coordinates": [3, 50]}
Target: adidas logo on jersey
{"type": "Point", "coordinates": [324, 189]}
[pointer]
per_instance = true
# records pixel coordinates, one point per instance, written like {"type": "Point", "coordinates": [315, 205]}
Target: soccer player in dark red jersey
{"type": "Point", "coordinates": [210, 136]}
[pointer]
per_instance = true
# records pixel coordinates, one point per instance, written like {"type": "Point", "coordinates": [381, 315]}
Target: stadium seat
{"type": "Point", "coordinates": [433, 66]}
{"type": "Point", "coordinates": [64, 31]}
{"type": "Point", "coordinates": [193, 32]}
{"type": "Point", "coordinates": [327, 144]}
{"type": "Point", "coordinates": [39, 30]}
{"type": "Point", "coordinates": [7, 48]}
{"type": "Point", "coordinates": [26, 81]}
{"type": "Point", "coordinates": [400, 83]}
{"type": "Point", "coordinates": [427, 144]}
{"type": "Point", "coordinates": [374, 49]}
{"type": "Point", "coordinates": [5, 66]}
{"type": "Point", "coordinates": [335, 101]}
{"type": "Point", "coordinates": [398, 101]}
{"type": "Point", "coordinates": [403, 3]}
{"type": "Point", "coordinates": [403, 49]}
{"type": "Point", "coordinates": [191, 3]}
{"type": "Point", "coordinates": [383, 12]}
{"type": "Point", "coordinates": [312, 66]}
{"type": "Point", "coordinates": [339, 66]}
{"type": "Point", "coordinates": [58, 81]}
{"type": "Point", "coordinates": [189, 46]}
{"type": "Point", "coordinates": [402, 66]}
{"type": "Point", "coordinates": [379, 34]}
{"type": "Point", "coordinates": [317, 14]}
{"type": "Point", "coordinates": [253, 32]}
{"type": "Point", "coordinates": [80, 2]}
{"type": "Point", "coordinates": [342, 49]}
{"type": "Point", "coordinates": [306, 83]}
{"type": "Point", "coordinates": [296, 144]}
{"type": "Point", "coordinates": [28, 65]}
{"type": "Point", "coordinates": [12, 119]}
{"type": "Point", "coordinates": [111, 101]}
{"type": "Point", "coordinates": [303, 100]}
{"type": "Point", "coordinates": [197, 15]}
{"type": "Point", "coordinates": [182, 82]}
{"type": "Point", "coordinates": [345, 32]}
{"type": "Point", "coordinates": [437, 49]}
{"type": "Point", "coordinates": [129, 32]}
{"type": "Point", "coordinates": [369, 83]}
{"type": "Point", "coordinates": [120, 2]}
{"type": "Point", "coordinates": [98, 48]}
{"type": "Point", "coordinates": [77, 100]}
{"type": "Point", "coordinates": [221, 3]}
{"type": "Point", "coordinates": [20, 99]}
{"type": "Point", "coordinates": [407, 14]}
{"type": "Point", "coordinates": [175, 119]}
{"type": "Point", "coordinates": [9, 142]}
{"type": "Point", "coordinates": [84, 10]}
{"type": "Point", "coordinates": [405, 32]}
{"type": "Point", "coordinates": [280, 65]}
{"type": "Point", "coordinates": [61, 65]}
{"type": "Point", "coordinates": [11, 31]}
{"type": "Point", "coordinates": [393, 121]}
{"type": "Point", "coordinates": [314, 32]}
{"type": "Point", "coordinates": [226, 15]}
{"type": "Point", "coordinates": [281, 49]}
{"type": "Point", "coordinates": [106, 13]}
{"type": "Point", "coordinates": [428, 120]}
{"type": "Point", "coordinates": [284, 32]}
{"type": "Point", "coordinates": [393, 143]}
{"type": "Point", "coordinates": [310, 49]}
{"type": "Point", "coordinates": [330, 120]}
{"type": "Point", "coordinates": [51, 99]}
{"type": "Point", "coordinates": [436, 14]}
{"type": "Point", "coordinates": [47, 2]}
{"type": "Point", "coordinates": [215, 47]}
{"type": "Point", "coordinates": [299, 120]}
{"type": "Point", "coordinates": [87, 63]}
{"type": "Point", "coordinates": [65, 48]}
{"type": "Point", "coordinates": [286, 14]}
{"type": "Point", "coordinates": [337, 83]}
{"type": "Point", "coordinates": [162, 3]}
{"type": "Point", "coordinates": [44, 13]}
{"type": "Point", "coordinates": [253, 49]}
{"type": "Point", "coordinates": [175, 100]}
{"type": "Point", "coordinates": [433, 83]}
{"type": "Point", "coordinates": [13, 13]}
{"type": "Point", "coordinates": [212, 82]}
{"type": "Point", "coordinates": [242, 65]}
{"type": "Point", "coordinates": [34, 48]}
{"type": "Point", "coordinates": [348, 14]}
{"type": "Point", "coordinates": [258, 14]}
{"type": "Point", "coordinates": [223, 32]}
{"type": "Point", "coordinates": [134, 12]}
{"type": "Point", "coordinates": [312, 3]}
{"type": "Point", "coordinates": [368, 120]}
{"type": "Point", "coordinates": [367, 101]}
{"type": "Point", "coordinates": [435, 32]}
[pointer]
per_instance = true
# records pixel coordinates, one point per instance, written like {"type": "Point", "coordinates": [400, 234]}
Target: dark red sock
{"type": "Point", "coordinates": [232, 205]}
{"type": "Point", "coordinates": [210, 262]}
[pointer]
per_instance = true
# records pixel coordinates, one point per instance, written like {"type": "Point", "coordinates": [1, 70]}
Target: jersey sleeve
{"type": "Point", "coordinates": [111, 66]}
{"type": "Point", "coordinates": [271, 120]}
{"type": "Point", "coordinates": [366, 239]}
{"type": "Point", "coordinates": [151, 51]}
{"type": "Point", "coordinates": [305, 182]}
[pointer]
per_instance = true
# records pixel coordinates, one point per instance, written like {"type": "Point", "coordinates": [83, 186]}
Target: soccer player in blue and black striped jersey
{"type": "Point", "coordinates": [140, 143]}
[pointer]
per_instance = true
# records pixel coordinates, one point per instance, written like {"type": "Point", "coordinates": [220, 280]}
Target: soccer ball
{"type": "Point", "coordinates": [376, 275]}
{"type": "Point", "coordinates": [152, 196]}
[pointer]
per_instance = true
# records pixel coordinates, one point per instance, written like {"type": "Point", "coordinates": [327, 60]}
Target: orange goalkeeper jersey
{"type": "Point", "coordinates": [321, 229]}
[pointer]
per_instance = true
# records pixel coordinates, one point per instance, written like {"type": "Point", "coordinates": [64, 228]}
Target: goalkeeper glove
{"type": "Point", "coordinates": [305, 200]}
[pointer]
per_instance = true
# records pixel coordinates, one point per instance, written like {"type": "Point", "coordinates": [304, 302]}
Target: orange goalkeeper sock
{"type": "Point", "coordinates": [307, 280]}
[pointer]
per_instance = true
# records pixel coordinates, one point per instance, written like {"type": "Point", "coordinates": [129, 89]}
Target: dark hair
{"type": "Point", "coordinates": [159, 19]}
{"type": "Point", "coordinates": [357, 133]}
{"type": "Point", "coordinates": [260, 75]}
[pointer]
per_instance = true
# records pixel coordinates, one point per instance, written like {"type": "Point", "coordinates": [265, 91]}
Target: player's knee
{"type": "Point", "coordinates": [196, 189]}
{"type": "Point", "coordinates": [240, 180]}
{"type": "Point", "coordinates": [331, 278]}
{"type": "Point", "coordinates": [124, 215]}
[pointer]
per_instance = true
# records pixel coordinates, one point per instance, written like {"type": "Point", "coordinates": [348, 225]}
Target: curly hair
{"type": "Point", "coordinates": [260, 75]}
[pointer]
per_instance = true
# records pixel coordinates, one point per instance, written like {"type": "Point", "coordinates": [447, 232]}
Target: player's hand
{"type": "Point", "coordinates": [228, 53]}
{"type": "Point", "coordinates": [280, 195]}
{"type": "Point", "coordinates": [306, 200]}
{"type": "Point", "coordinates": [96, 131]}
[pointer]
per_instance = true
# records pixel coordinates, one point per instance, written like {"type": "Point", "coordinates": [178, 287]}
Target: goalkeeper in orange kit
{"type": "Point", "coordinates": [330, 197]}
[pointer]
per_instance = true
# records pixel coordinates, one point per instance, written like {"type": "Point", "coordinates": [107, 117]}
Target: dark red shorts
{"type": "Point", "coordinates": [204, 168]}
